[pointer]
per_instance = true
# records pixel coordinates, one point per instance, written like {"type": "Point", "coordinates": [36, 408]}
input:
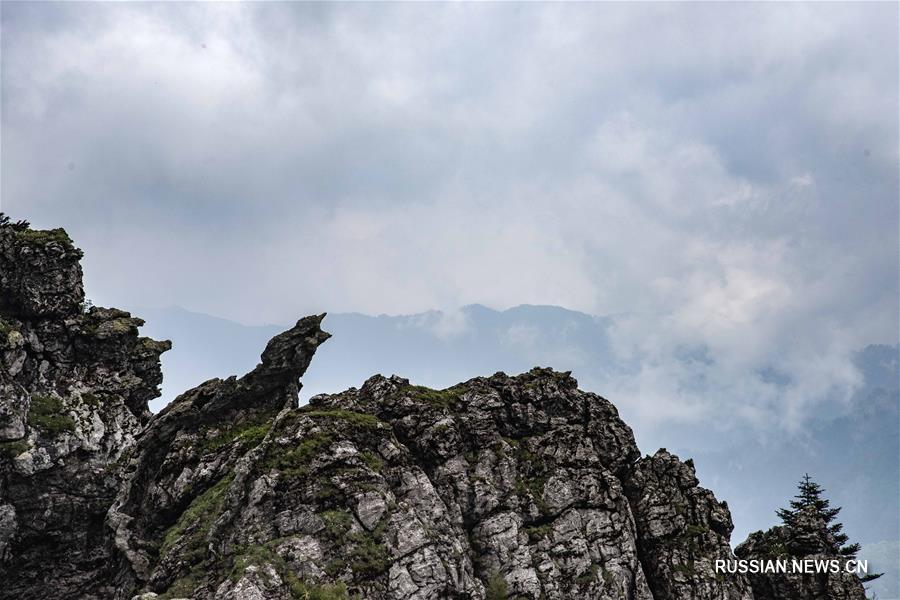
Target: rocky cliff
{"type": "Point", "coordinates": [74, 386]}
{"type": "Point", "coordinates": [502, 486]}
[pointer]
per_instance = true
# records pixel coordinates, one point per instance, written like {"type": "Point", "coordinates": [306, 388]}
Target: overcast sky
{"type": "Point", "coordinates": [716, 177]}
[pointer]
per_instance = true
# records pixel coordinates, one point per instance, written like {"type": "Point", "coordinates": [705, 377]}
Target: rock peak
{"type": "Point", "coordinates": [288, 354]}
{"type": "Point", "coordinates": [40, 272]}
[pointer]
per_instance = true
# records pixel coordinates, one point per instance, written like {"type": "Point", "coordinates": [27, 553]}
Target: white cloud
{"type": "Point", "coordinates": [716, 176]}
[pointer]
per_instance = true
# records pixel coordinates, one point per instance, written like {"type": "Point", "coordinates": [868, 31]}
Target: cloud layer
{"type": "Point", "coordinates": [720, 178]}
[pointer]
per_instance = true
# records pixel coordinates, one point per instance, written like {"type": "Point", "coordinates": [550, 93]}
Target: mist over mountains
{"type": "Point", "coordinates": [850, 447]}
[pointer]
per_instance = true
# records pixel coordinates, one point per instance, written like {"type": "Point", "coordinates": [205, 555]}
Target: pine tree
{"type": "Point", "coordinates": [809, 498]}
{"type": "Point", "coordinates": [15, 226]}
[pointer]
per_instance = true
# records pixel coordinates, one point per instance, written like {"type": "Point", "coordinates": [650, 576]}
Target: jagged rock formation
{"type": "Point", "coordinates": [197, 442]}
{"type": "Point", "coordinates": [682, 530]}
{"type": "Point", "coordinates": [808, 538]}
{"type": "Point", "coordinates": [74, 388]}
{"type": "Point", "coordinates": [503, 486]}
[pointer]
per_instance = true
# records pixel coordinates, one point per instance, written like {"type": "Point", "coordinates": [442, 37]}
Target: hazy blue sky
{"type": "Point", "coordinates": [720, 179]}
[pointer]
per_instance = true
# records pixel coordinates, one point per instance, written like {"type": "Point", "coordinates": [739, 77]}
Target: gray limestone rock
{"type": "Point", "coordinates": [682, 531]}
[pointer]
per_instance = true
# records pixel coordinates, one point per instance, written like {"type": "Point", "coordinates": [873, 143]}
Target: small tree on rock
{"type": "Point", "coordinates": [811, 523]}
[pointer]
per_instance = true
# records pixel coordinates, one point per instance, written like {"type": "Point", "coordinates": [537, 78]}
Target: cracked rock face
{"type": "Point", "coordinates": [74, 388]}
{"type": "Point", "coordinates": [682, 531]}
{"type": "Point", "coordinates": [497, 486]}
{"type": "Point", "coordinates": [502, 486]}
{"type": "Point", "coordinates": [397, 491]}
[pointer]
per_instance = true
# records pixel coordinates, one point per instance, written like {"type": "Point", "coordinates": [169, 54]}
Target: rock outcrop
{"type": "Point", "coordinates": [74, 387]}
{"type": "Point", "coordinates": [682, 530]}
{"type": "Point", "coordinates": [807, 539]}
{"type": "Point", "coordinates": [503, 486]}
{"type": "Point", "coordinates": [196, 443]}
{"type": "Point", "coordinates": [498, 486]}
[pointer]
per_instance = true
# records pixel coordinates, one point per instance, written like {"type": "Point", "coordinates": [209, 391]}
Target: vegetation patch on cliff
{"type": "Point", "coordinates": [193, 525]}
{"type": "Point", "coordinates": [496, 588]}
{"type": "Point", "coordinates": [90, 399]}
{"type": "Point", "coordinates": [13, 449]}
{"type": "Point", "coordinates": [295, 462]}
{"type": "Point", "coordinates": [369, 556]}
{"type": "Point", "coordinates": [46, 413]}
{"type": "Point", "coordinates": [263, 555]}
{"type": "Point", "coordinates": [40, 237]}
{"type": "Point", "coordinates": [248, 433]}
{"type": "Point", "coordinates": [356, 418]}
{"type": "Point", "coordinates": [5, 327]}
{"type": "Point", "coordinates": [438, 398]}
{"type": "Point", "coordinates": [364, 551]}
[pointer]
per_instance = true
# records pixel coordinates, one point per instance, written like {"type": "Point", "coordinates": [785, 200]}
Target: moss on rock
{"type": "Point", "coordinates": [46, 413]}
{"type": "Point", "coordinates": [438, 398]}
{"type": "Point", "coordinates": [41, 237]}
{"type": "Point", "coordinates": [13, 449]}
{"type": "Point", "coordinates": [248, 434]}
{"type": "Point", "coordinates": [192, 527]}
